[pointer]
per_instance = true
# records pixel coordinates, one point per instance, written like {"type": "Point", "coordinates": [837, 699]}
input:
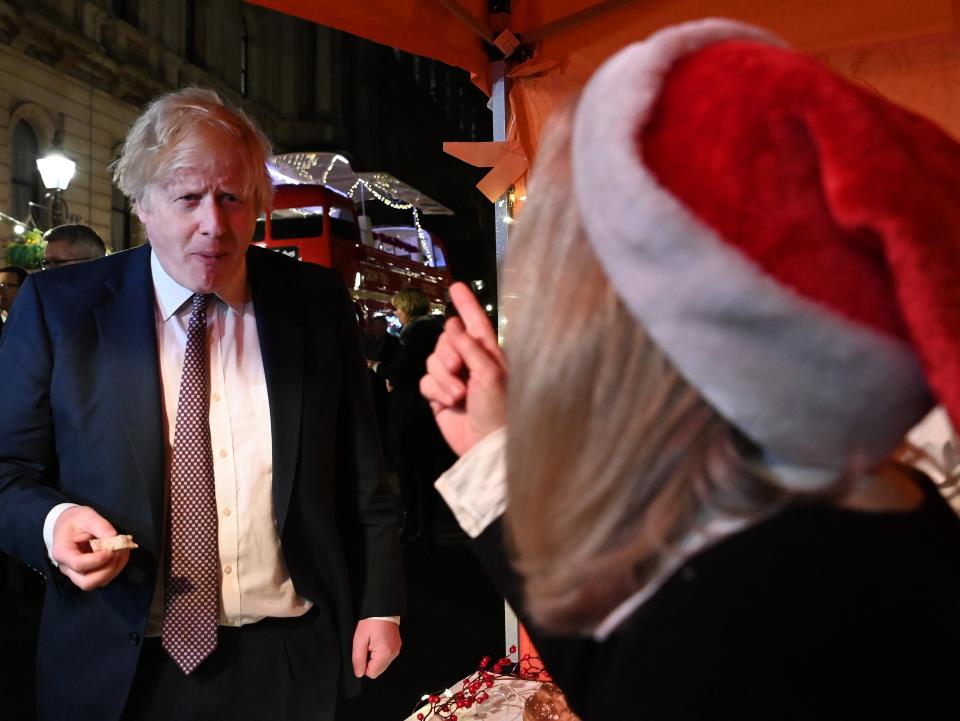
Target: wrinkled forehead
{"type": "Point", "coordinates": [227, 174]}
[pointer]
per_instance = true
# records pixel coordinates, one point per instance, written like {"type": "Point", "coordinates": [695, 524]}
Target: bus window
{"type": "Point", "coordinates": [288, 228]}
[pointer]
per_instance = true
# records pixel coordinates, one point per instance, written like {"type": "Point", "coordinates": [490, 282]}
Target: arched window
{"type": "Point", "coordinates": [24, 176]}
{"type": "Point", "coordinates": [119, 219]}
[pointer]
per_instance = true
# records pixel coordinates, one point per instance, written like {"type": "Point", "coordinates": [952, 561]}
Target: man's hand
{"type": "Point", "coordinates": [375, 644]}
{"type": "Point", "coordinates": [71, 548]}
{"type": "Point", "coordinates": [466, 380]}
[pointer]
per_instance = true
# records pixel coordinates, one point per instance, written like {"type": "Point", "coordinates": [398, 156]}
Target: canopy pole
{"type": "Point", "coordinates": [478, 26]}
{"type": "Point", "coordinates": [558, 26]}
{"type": "Point", "coordinates": [498, 104]}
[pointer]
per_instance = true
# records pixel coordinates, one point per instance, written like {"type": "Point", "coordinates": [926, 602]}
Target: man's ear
{"type": "Point", "coordinates": [141, 204]}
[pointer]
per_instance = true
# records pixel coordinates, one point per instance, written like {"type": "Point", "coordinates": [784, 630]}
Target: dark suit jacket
{"type": "Point", "coordinates": [79, 376]}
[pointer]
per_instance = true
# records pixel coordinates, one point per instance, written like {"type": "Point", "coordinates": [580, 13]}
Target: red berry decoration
{"type": "Point", "coordinates": [473, 689]}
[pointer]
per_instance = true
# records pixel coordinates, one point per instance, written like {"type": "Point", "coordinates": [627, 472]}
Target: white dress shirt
{"type": "Point", "coordinates": [254, 582]}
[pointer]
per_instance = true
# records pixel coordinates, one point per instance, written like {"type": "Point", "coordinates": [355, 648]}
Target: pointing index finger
{"type": "Point", "coordinates": [473, 316]}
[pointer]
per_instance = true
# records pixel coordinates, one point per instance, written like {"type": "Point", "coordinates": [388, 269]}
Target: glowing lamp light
{"type": "Point", "coordinates": [56, 170]}
{"type": "Point", "coordinates": [19, 229]}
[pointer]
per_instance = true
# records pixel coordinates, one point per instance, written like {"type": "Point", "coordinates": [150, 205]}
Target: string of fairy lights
{"type": "Point", "coordinates": [377, 186]}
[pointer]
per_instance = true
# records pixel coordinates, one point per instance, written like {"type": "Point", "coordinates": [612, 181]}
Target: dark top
{"type": "Point", "coordinates": [410, 421]}
{"type": "Point", "coordinates": [816, 613]}
{"type": "Point", "coordinates": [381, 349]}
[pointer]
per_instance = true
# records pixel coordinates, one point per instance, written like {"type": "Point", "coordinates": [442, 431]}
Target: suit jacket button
{"type": "Point", "coordinates": [134, 639]}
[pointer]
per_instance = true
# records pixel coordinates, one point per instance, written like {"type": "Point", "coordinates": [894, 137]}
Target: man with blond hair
{"type": "Point", "coordinates": [201, 405]}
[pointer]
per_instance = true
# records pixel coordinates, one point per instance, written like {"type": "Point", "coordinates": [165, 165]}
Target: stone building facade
{"type": "Point", "coordinates": [78, 72]}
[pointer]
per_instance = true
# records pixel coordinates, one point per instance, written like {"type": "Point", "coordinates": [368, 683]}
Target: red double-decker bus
{"type": "Point", "coordinates": [317, 224]}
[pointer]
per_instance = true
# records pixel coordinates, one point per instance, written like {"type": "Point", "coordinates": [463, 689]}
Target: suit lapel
{"type": "Point", "coordinates": [279, 310]}
{"type": "Point", "coordinates": [128, 335]}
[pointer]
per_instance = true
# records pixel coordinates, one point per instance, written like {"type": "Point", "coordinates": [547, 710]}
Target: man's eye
{"type": "Point", "coordinates": [190, 197]}
{"type": "Point", "coordinates": [230, 198]}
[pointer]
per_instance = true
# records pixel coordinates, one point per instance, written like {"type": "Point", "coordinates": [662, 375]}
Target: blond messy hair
{"type": "Point", "coordinates": [171, 136]}
{"type": "Point", "coordinates": [613, 459]}
{"type": "Point", "coordinates": [411, 300]}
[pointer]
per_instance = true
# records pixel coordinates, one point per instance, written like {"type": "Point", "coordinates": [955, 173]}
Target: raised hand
{"type": "Point", "coordinates": [466, 380]}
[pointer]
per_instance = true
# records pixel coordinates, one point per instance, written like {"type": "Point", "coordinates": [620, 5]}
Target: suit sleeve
{"type": "Point", "coordinates": [374, 549]}
{"type": "Point", "coordinates": [27, 460]}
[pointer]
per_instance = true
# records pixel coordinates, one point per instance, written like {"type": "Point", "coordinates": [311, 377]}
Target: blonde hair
{"type": "Point", "coordinates": [411, 301]}
{"type": "Point", "coordinates": [171, 135]}
{"type": "Point", "coordinates": [613, 459]}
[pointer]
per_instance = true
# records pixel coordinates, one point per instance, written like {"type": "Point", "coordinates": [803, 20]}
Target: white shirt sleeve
{"type": "Point", "coordinates": [475, 487]}
{"type": "Point", "coordinates": [392, 619]}
{"type": "Point", "coordinates": [48, 525]}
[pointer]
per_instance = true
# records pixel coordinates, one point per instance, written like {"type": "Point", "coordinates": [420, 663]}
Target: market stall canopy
{"type": "Point", "coordinates": [334, 171]}
{"type": "Point", "coordinates": [906, 51]}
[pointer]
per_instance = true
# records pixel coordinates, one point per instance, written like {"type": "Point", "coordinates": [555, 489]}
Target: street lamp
{"type": "Point", "coordinates": [56, 170]}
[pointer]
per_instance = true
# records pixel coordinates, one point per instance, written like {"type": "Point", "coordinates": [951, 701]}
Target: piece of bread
{"type": "Point", "coordinates": [117, 543]}
{"type": "Point", "coordinates": [548, 704]}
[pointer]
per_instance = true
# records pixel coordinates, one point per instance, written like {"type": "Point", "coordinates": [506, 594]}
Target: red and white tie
{"type": "Point", "coordinates": [190, 613]}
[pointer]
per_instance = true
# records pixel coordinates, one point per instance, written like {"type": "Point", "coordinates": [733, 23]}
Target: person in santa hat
{"type": "Point", "coordinates": [753, 268]}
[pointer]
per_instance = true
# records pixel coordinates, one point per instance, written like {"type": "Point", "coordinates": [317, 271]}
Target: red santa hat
{"type": "Point", "coordinates": [789, 240]}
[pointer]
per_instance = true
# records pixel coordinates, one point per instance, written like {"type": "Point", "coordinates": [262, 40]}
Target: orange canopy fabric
{"type": "Point", "coordinates": [421, 27]}
{"type": "Point", "coordinates": [906, 51]}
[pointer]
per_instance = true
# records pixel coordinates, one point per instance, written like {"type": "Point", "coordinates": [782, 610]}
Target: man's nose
{"type": "Point", "coordinates": [213, 220]}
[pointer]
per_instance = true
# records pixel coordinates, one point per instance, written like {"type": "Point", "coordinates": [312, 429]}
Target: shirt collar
{"type": "Point", "coordinates": [171, 295]}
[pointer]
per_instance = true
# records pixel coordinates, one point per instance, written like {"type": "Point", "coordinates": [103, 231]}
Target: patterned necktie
{"type": "Point", "coordinates": [190, 613]}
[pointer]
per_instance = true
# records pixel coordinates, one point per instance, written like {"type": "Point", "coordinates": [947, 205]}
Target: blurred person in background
{"type": "Point", "coordinates": [11, 278]}
{"type": "Point", "coordinates": [69, 244]}
{"type": "Point", "coordinates": [413, 438]}
{"type": "Point", "coordinates": [380, 346]}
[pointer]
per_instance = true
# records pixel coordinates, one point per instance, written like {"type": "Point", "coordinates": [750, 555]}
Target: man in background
{"type": "Point", "coordinates": [69, 244]}
{"type": "Point", "coordinates": [11, 278]}
{"type": "Point", "coordinates": [380, 347]}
